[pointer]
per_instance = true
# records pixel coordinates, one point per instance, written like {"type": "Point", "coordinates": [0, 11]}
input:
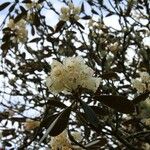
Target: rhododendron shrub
{"type": "Point", "coordinates": [75, 74]}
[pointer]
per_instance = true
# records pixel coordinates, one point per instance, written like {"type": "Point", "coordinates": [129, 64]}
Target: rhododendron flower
{"type": "Point", "coordinates": [69, 75]}
{"type": "Point", "coordinates": [142, 83]}
{"type": "Point", "coordinates": [19, 30]}
{"type": "Point", "coordinates": [62, 141]}
{"type": "Point", "coordinates": [70, 12]}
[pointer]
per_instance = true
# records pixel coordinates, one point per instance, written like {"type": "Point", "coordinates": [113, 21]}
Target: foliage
{"type": "Point", "coordinates": [34, 33]}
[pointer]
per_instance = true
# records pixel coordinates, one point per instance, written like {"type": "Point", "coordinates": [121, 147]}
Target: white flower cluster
{"type": "Point", "coordinates": [114, 47]}
{"type": "Point", "coordinates": [69, 75]}
{"type": "Point", "coordinates": [62, 141]}
{"type": "Point", "coordinates": [70, 12]}
{"type": "Point", "coordinates": [96, 27]}
{"type": "Point", "coordinates": [19, 30]}
{"type": "Point", "coordinates": [145, 109]}
{"type": "Point", "coordinates": [143, 83]}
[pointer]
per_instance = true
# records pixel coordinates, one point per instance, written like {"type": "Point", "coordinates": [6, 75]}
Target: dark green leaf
{"type": "Point", "coordinates": [41, 1]}
{"type": "Point", "coordinates": [109, 14]}
{"type": "Point", "coordinates": [6, 143]}
{"type": "Point", "coordinates": [82, 7]}
{"type": "Point", "coordinates": [119, 103]}
{"type": "Point", "coordinates": [110, 75]}
{"type": "Point", "coordinates": [100, 111]}
{"type": "Point", "coordinates": [5, 46]}
{"type": "Point", "coordinates": [86, 17]}
{"type": "Point", "coordinates": [4, 5]}
{"type": "Point", "coordinates": [3, 73]}
{"type": "Point", "coordinates": [32, 30]}
{"type": "Point", "coordinates": [56, 103]}
{"type": "Point", "coordinates": [96, 143]}
{"type": "Point", "coordinates": [94, 12]}
{"type": "Point", "coordinates": [18, 119]}
{"type": "Point", "coordinates": [4, 115]}
{"type": "Point", "coordinates": [36, 20]}
{"type": "Point", "coordinates": [27, 1]}
{"type": "Point", "coordinates": [22, 9]}
{"type": "Point", "coordinates": [80, 25]}
{"type": "Point", "coordinates": [35, 40]}
{"type": "Point", "coordinates": [90, 114]}
{"type": "Point", "coordinates": [7, 132]}
{"type": "Point", "coordinates": [59, 25]}
{"type": "Point", "coordinates": [20, 16]}
{"type": "Point", "coordinates": [139, 7]}
{"type": "Point", "coordinates": [58, 125]}
{"type": "Point", "coordinates": [141, 97]}
{"type": "Point", "coordinates": [12, 7]}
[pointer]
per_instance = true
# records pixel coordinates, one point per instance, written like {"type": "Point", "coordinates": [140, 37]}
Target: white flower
{"type": "Point", "coordinates": [69, 75]}
{"type": "Point", "coordinates": [77, 136]}
{"type": "Point", "coordinates": [138, 85]}
{"type": "Point", "coordinates": [64, 10]}
{"type": "Point", "coordinates": [143, 83]}
{"type": "Point", "coordinates": [19, 29]}
{"type": "Point", "coordinates": [145, 77]}
{"type": "Point", "coordinates": [70, 12]}
{"type": "Point", "coordinates": [61, 142]}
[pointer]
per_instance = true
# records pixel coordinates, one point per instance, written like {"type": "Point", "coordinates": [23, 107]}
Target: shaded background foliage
{"type": "Point", "coordinates": [115, 54]}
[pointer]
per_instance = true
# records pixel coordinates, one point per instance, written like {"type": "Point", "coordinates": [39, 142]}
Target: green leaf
{"type": "Point", "coordinates": [22, 9]}
{"type": "Point", "coordinates": [141, 97]}
{"type": "Point", "coordinates": [7, 132]}
{"type": "Point", "coordinates": [41, 1]}
{"type": "Point", "coordinates": [6, 143]}
{"type": "Point", "coordinates": [100, 111]}
{"type": "Point", "coordinates": [119, 103]}
{"type": "Point", "coordinates": [36, 40]}
{"type": "Point", "coordinates": [4, 5]}
{"type": "Point", "coordinates": [59, 25]}
{"type": "Point", "coordinates": [36, 20]}
{"type": "Point", "coordinates": [27, 1]}
{"type": "Point", "coordinates": [82, 8]}
{"type": "Point", "coordinates": [48, 119]}
{"type": "Point", "coordinates": [90, 114]}
{"type": "Point", "coordinates": [94, 12]}
{"type": "Point", "coordinates": [56, 103]}
{"type": "Point", "coordinates": [12, 7]}
{"type": "Point", "coordinates": [86, 17]}
{"type": "Point", "coordinates": [5, 46]}
{"type": "Point", "coordinates": [79, 24]}
{"type": "Point", "coordinates": [58, 125]}
{"type": "Point", "coordinates": [109, 14]}
{"type": "Point", "coordinates": [20, 16]}
{"type": "Point", "coordinates": [96, 143]}
{"type": "Point", "coordinates": [110, 75]}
